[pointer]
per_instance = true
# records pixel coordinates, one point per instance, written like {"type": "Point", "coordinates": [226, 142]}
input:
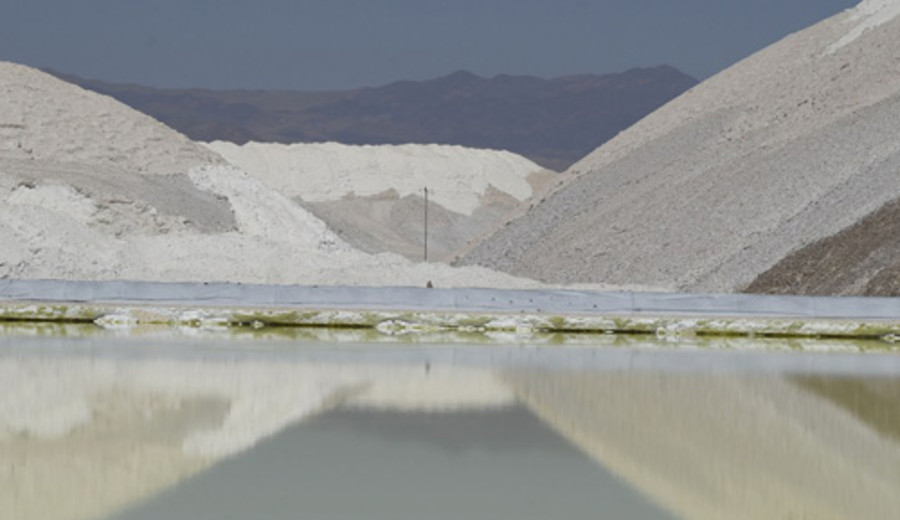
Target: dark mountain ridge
{"type": "Point", "coordinates": [551, 121]}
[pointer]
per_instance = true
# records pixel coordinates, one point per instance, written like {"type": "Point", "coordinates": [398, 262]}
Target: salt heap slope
{"type": "Point", "coordinates": [91, 189]}
{"type": "Point", "coordinates": [790, 146]}
{"type": "Point", "coordinates": [373, 196]}
{"type": "Point", "coordinates": [79, 171]}
{"type": "Point", "coordinates": [48, 120]}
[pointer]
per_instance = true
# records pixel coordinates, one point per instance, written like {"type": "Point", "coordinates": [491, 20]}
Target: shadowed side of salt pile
{"type": "Point", "coordinates": [374, 196]}
{"type": "Point", "coordinates": [861, 259]}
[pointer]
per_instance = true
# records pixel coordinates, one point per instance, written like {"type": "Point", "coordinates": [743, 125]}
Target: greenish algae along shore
{"type": "Point", "coordinates": [423, 322]}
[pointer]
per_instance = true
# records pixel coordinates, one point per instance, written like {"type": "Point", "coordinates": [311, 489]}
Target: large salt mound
{"type": "Point", "coordinates": [787, 147]}
{"type": "Point", "coordinates": [43, 118]}
{"type": "Point", "coordinates": [78, 169]}
{"type": "Point", "coordinates": [91, 189]}
{"type": "Point", "coordinates": [456, 177]}
{"type": "Point", "coordinates": [373, 195]}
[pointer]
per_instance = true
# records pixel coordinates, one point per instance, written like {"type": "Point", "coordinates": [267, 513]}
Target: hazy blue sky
{"type": "Point", "coordinates": [313, 44]}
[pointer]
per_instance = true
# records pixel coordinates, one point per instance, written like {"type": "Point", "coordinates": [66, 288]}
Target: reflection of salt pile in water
{"type": "Point", "coordinates": [90, 189]}
{"type": "Point", "coordinates": [725, 446]}
{"type": "Point", "coordinates": [373, 195]}
{"type": "Point", "coordinates": [789, 146]}
{"type": "Point", "coordinates": [80, 437]}
{"type": "Point", "coordinates": [83, 438]}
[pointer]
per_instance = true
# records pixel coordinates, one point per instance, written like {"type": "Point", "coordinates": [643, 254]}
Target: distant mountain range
{"type": "Point", "coordinates": [553, 122]}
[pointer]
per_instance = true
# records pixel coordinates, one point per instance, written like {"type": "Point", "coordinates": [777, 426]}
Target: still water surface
{"type": "Point", "coordinates": [150, 428]}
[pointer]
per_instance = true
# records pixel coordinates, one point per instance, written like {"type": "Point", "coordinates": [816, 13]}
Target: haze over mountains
{"type": "Point", "coordinates": [553, 122]}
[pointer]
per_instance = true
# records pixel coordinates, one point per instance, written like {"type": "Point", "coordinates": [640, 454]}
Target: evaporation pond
{"type": "Point", "coordinates": [143, 428]}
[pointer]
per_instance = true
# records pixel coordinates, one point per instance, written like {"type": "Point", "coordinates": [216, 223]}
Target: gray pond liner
{"type": "Point", "coordinates": [461, 300]}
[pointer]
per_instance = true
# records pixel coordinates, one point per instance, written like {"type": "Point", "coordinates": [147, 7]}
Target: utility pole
{"type": "Point", "coordinates": [426, 223]}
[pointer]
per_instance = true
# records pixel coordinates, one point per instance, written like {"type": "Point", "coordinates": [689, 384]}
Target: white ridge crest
{"type": "Point", "coordinates": [867, 15]}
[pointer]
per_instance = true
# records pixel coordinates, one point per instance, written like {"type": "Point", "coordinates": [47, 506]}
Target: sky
{"type": "Point", "coordinates": [342, 44]}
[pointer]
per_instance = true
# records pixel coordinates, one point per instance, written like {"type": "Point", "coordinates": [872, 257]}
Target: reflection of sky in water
{"type": "Point", "coordinates": [383, 465]}
{"type": "Point", "coordinates": [166, 430]}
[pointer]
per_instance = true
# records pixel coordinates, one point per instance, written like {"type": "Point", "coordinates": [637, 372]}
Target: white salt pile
{"type": "Point", "coordinates": [90, 189]}
{"type": "Point", "coordinates": [785, 148]}
{"type": "Point", "coordinates": [45, 119]}
{"type": "Point", "coordinates": [457, 178]}
{"type": "Point", "coordinates": [867, 15]}
{"type": "Point", "coordinates": [373, 196]}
